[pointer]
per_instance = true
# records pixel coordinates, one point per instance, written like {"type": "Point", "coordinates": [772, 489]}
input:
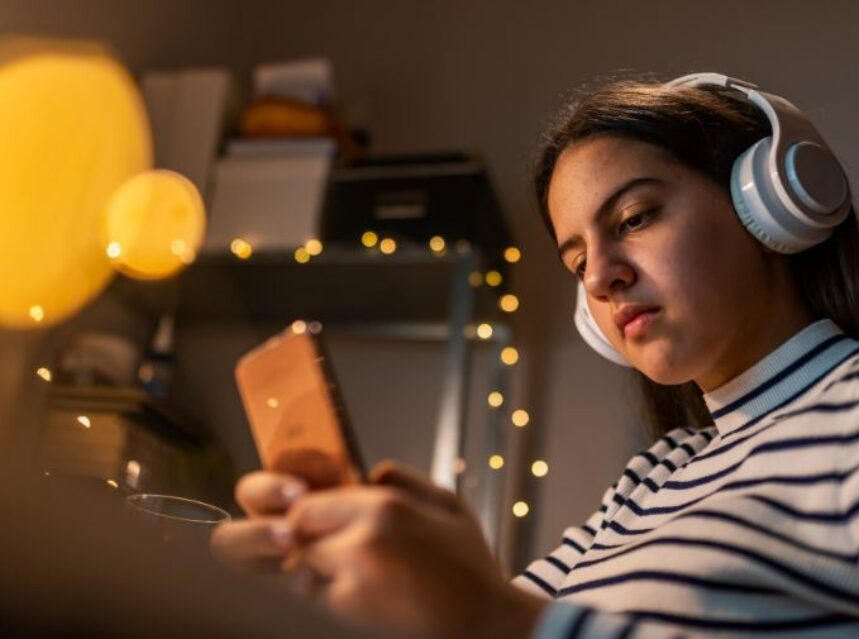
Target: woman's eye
{"type": "Point", "coordinates": [634, 221]}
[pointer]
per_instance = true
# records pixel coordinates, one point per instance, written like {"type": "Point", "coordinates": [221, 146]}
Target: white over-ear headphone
{"type": "Point", "coordinates": [788, 189]}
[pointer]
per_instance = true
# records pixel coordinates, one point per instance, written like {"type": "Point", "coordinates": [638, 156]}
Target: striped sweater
{"type": "Point", "coordinates": [748, 528]}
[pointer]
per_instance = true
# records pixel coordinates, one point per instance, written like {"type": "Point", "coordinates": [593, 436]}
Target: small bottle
{"type": "Point", "coordinates": [156, 369]}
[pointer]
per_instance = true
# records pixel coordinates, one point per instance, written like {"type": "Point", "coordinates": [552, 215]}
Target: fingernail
{"type": "Point", "coordinates": [290, 492]}
{"type": "Point", "coordinates": [282, 534]}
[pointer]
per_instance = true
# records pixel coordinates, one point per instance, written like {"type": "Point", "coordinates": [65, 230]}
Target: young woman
{"type": "Point", "coordinates": [732, 288]}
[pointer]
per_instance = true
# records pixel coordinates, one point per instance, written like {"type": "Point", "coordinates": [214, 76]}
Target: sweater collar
{"type": "Point", "coordinates": [778, 378]}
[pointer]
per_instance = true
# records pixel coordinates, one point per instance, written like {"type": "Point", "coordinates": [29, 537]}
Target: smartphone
{"type": "Point", "coordinates": [295, 410]}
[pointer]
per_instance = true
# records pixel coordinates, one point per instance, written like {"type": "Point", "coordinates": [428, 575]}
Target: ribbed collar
{"type": "Point", "coordinates": [780, 377]}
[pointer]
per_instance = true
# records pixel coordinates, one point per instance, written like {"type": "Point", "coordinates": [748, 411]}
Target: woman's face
{"type": "Point", "coordinates": [673, 279]}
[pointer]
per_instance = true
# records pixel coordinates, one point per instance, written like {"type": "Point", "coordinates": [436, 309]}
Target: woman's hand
{"type": "Point", "coordinates": [399, 554]}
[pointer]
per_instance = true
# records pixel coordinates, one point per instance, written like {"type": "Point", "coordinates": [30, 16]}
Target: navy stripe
{"type": "Point", "coordinates": [726, 447]}
{"type": "Point", "coordinates": [850, 559]}
{"type": "Point", "coordinates": [846, 378]}
{"type": "Point", "coordinates": [773, 446]}
{"type": "Point", "coordinates": [745, 553]}
{"type": "Point", "coordinates": [557, 563]}
{"type": "Point", "coordinates": [572, 544]}
{"type": "Point", "coordinates": [775, 379]}
{"type": "Point", "coordinates": [577, 627]}
{"type": "Point", "coordinates": [650, 457]}
{"type": "Point", "coordinates": [589, 530]}
{"type": "Point", "coordinates": [820, 516]}
{"type": "Point", "coordinates": [661, 575]}
{"type": "Point", "coordinates": [545, 586]}
{"type": "Point", "coordinates": [822, 407]}
{"type": "Point", "coordinates": [792, 397]}
{"type": "Point", "coordinates": [790, 480]}
{"type": "Point", "coordinates": [757, 626]}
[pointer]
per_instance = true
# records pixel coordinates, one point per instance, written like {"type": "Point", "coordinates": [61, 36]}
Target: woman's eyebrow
{"type": "Point", "coordinates": [575, 240]}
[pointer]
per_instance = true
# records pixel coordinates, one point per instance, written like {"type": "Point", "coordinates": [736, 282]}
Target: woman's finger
{"type": "Point", "coordinates": [389, 473]}
{"type": "Point", "coordinates": [253, 544]}
{"type": "Point", "coordinates": [327, 511]}
{"type": "Point", "coordinates": [267, 493]}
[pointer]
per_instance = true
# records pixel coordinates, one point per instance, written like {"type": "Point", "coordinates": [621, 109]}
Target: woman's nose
{"type": "Point", "coordinates": [607, 272]}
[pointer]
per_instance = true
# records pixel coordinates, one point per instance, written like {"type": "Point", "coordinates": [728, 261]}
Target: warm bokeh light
{"type": "Point", "coordinates": [44, 373]}
{"type": "Point", "coordinates": [112, 483]}
{"type": "Point", "coordinates": [302, 255]}
{"type": "Point", "coordinates": [484, 331]}
{"type": "Point", "coordinates": [315, 327]}
{"type": "Point", "coordinates": [475, 279]}
{"type": "Point", "coordinates": [437, 244]}
{"type": "Point", "coordinates": [495, 399]}
{"type": "Point", "coordinates": [520, 509]}
{"type": "Point", "coordinates": [73, 128]}
{"type": "Point", "coordinates": [512, 255]}
{"type": "Point", "coordinates": [299, 327]}
{"type": "Point", "coordinates": [154, 225]}
{"type": "Point", "coordinates": [84, 421]}
{"type": "Point", "coordinates": [387, 246]}
{"type": "Point", "coordinates": [272, 402]}
{"type": "Point", "coordinates": [37, 313]}
{"type": "Point", "coordinates": [493, 278]}
{"type": "Point", "coordinates": [508, 303]}
{"type": "Point", "coordinates": [509, 355]}
{"type": "Point", "coordinates": [369, 239]}
{"type": "Point", "coordinates": [241, 248]}
{"type": "Point", "coordinates": [520, 417]}
{"type": "Point", "coordinates": [496, 462]}
{"type": "Point", "coordinates": [313, 247]}
{"type": "Point", "coordinates": [539, 468]}
{"type": "Point", "coordinates": [459, 466]}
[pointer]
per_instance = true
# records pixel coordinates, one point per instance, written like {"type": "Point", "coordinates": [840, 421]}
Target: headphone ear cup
{"type": "Point", "coordinates": [591, 333]}
{"type": "Point", "coordinates": [763, 212]}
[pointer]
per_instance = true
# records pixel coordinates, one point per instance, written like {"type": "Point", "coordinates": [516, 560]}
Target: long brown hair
{"type": "Point", "coordinates": [705, 128]}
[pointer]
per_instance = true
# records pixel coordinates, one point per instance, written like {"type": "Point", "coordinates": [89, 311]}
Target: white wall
{"type": "Point", "coordinates": [483, 75]}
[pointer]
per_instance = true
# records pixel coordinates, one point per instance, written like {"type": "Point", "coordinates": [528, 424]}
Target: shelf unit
{"type": "Point", "coordinates": [412, 294]}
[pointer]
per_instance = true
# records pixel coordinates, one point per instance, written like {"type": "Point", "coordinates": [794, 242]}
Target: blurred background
{"type": "Point", "coordinates": [413, 121]}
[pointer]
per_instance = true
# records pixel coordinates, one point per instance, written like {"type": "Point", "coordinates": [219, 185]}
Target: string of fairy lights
{"type": "Point", "coordinates": [508, 303]}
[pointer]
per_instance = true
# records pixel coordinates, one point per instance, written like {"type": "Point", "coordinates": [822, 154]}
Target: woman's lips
{"type": "Point", "coordinates": [638, 325]}
{"type": "Point", "coordinates": [632, 320]}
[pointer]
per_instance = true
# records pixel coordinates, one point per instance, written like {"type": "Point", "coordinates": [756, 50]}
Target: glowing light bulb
{"type": "Point", "coordinates": [512, 255]}
{"type": "Point", "coordinates": [496, 462]}
{"type": "Point", "coordinates": [520, 417]}
{"type": "Point", "coordinates": [508, 303]}
{"type": "Point", "coordinates": [114, 250]}
{"type": "Point", "coordinates": [84, 421]}
{"type": "Point", "coordinates": [495, 399]}
{"type": "Point", "coordinates": [313, 247]}
{"type": "Point", "coordinates": [241, 248]}
{"type": "Point", "coordinates": [387, 246]}
{"type": "Point", "coordinates": [484, 331]}
{"type": "Point", "coordinates": [475, 279]}
{"type": "Point", "coordinates": [509, 355]}
{"type": "Point", "coordinates": [521, 509]}
{"type": "Point", "coordinates": [157, 218]}
{"type": "Point", "coordinates": [302, 255]}
{"type": "Point", "coordinates": [493, 278]}
{"type": "Point", "coordinates": [539, 468]}
{"type": "Point", "coordinates": [37, 313]}
{"type": "Point", "coordinates": [44, 373]}
{"type": "Point", "coordinates": [315, 327]}
{"type": "Point", "coordinates": [437, 244]}
{"type": "Point", "coordinates": [112, 483]}
{"type": "Point", "coordinates": [369, 239]}
{"type": "Point", "coordinates": [299, 327]}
